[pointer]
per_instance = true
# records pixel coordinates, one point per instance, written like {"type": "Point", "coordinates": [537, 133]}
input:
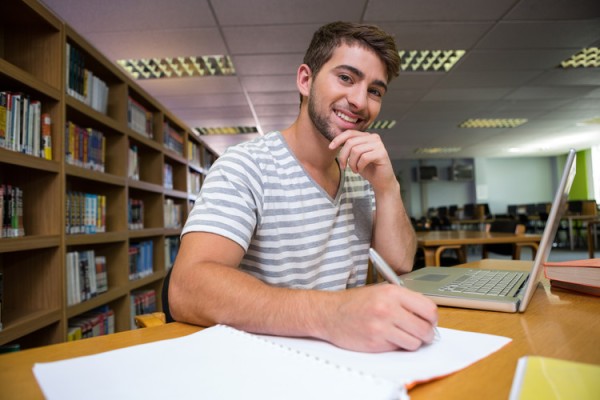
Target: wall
{"type": "Point", "coordinates": [498, 182]}
{"type": "Point", "coordinates": [519, 180]}
{"type": "Point", "coordinates": [419, 196]}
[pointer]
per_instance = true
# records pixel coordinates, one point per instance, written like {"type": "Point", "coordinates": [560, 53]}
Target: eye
{"type": "Point", "coordinates": [376, 92]}
{"type": "Point", "coordinates": [345, 78]}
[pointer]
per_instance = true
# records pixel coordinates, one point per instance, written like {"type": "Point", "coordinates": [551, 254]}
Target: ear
{"type": "Point", "coordinates": [304, 79]}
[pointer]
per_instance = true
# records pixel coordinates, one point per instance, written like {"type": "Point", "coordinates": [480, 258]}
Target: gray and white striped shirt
{"type": "Point", "coordinates": [294, 234]}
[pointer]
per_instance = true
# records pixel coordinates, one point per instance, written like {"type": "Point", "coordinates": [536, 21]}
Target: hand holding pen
{"type": "Point", "coordinates": [388, 273]}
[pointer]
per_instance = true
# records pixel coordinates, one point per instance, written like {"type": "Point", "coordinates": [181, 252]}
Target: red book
{"type": "Point", "coordinates": [582, 272]}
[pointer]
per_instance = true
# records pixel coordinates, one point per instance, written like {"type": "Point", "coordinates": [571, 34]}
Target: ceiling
{"type": "Point", "coordinates": [509, 71]}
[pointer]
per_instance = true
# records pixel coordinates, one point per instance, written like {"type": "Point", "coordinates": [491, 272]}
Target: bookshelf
{"type": "Point", "coordinates": [37, 53]}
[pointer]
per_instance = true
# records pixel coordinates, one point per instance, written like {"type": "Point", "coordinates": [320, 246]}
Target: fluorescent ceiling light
{"type": "Point", "coordinates": [592, 121]}
{"type": "Point", "coordinates": [586, 58]}
{"type": "Point", "coordinates": [429, 60]}
{"type": "Point", "coordinates": [437, 150]}
{"type": "Point", "coordinates": [492, 123]}
{"type": "Point", "coordinates": [178, 67]}
{"type": "Point", "coordinates": [382, 124]}
{"type": "Point", "coordinates": [226, 130]}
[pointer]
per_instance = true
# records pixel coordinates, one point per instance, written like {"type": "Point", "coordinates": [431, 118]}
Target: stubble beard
{"type": "Point", "coordinates": [319, 121]}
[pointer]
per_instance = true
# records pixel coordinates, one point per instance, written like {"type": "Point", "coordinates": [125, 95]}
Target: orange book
{"type": "Point", "coordinates": [582, 272]}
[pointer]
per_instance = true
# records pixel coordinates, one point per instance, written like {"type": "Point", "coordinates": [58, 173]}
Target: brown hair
{"type": "Point", "coordinates": [328, 37]}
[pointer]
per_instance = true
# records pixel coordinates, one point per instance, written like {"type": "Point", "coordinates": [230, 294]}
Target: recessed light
{"type": "Point", "coordinates": [586, 58]}
{"type": "Point", "coordinates": [429, 60]}
{"type": "Point", "coordinates": [382, 124]}
{"type": "Point", "coordinates": [492, 123]}
{"type": "Point", "coordinates": [592, 121]}
{"type": "Point", "coordinates": [437, 150]}
{"type": "Point", "coordinates": [226, 130]}
{"type": "Point", "coordinates": [178, 67]}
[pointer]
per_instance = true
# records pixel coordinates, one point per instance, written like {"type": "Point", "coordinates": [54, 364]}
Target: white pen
{"type": "Point", "coordinates": [388, 273]}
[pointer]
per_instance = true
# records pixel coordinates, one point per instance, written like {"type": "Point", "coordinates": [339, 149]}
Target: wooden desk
{"type": "Point", "coordinates": [557, 324]}
{"type": "Point", "coordinates": [433, 242]}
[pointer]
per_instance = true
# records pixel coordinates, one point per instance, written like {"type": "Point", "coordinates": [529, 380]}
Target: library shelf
{"type": "Point", "coordinates": [47, 60]}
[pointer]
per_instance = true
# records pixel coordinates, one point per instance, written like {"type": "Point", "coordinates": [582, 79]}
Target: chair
{"type": "Point", "coordinates": [452, 211]}
{"type": "Point", "coordinates": [469, 211]}
{"type": "Point", "coordinates": [158, 318]}
{"type": "Point", "coordinates": [509, 249]}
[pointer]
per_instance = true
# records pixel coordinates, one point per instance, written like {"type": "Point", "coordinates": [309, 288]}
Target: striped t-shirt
{"type": "Point", "coordinates": [294, 234]}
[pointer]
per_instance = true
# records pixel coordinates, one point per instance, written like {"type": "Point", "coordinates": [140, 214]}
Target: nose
{"type": "Point", "coordinates": [358, 97]}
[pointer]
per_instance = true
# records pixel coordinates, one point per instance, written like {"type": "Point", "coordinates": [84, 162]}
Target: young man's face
{"type": "Point", "coordinates": [346, 93]}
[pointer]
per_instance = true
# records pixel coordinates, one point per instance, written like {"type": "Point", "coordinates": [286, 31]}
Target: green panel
{"type": "Point", "coordinates": [580, 188]}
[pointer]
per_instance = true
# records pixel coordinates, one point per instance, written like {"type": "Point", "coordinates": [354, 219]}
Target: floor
{"type": "Point", "coordinates": [556, 254]}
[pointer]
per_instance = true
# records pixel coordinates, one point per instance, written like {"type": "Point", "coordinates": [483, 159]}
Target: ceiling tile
{"type": "Point", "coordinates": [262, 12]}
{"type": "Point", "coordinates": [158, 44]}
{"type": "Point", "coordinates": [436, 10]}
{"type": "Point", "coordinates": [542, 35]}
{"type": "Point", "coordinates": [267, 64]}
{"type": "Point", "coordinates": [87, 16]}
{"type": "Point", "coordinates": [269, 39]}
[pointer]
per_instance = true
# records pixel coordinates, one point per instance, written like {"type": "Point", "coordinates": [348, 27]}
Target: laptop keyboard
{"type": "Point", "coordinates": [491, 283]}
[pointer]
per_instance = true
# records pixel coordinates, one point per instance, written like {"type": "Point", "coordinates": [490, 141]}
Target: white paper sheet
{"type": "Point", "coordinates": [224, 363]}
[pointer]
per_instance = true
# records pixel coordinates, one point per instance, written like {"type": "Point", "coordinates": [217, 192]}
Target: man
{"type": "Point", "coordinates": [283, 223]}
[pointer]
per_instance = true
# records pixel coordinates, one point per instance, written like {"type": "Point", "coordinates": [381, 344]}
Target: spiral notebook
{"type": "Point", "coordinates": [224, 363]}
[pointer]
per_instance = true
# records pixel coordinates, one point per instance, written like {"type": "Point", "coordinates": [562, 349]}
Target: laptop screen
{"type": "Point", "coordinates": [559, 206]}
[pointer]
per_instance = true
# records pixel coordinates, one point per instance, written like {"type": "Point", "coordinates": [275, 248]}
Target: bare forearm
{"type": "Point", "coordinates": [225, 295]}
{"type": "Point", "coordinates": [393, 236]}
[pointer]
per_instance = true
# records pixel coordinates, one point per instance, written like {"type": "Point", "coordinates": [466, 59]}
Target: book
{"type": "Point", "coordinates": [226, 363]}
{"type": "Point", "coordinates": [592, 290]}
{"type": "Point", "coordinates": [583, 272]}
{"type": "Point", "coordinates": [550, 378]}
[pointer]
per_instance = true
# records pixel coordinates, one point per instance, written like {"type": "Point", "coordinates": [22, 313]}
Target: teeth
{"type": "Point", "coordinates": [346, 118]}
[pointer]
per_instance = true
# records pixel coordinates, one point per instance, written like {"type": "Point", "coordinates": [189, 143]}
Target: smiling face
{"type": "Point", "coordinates": [346, 93]}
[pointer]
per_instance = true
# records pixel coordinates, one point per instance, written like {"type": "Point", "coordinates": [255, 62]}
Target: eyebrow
{"type": "Point", "coordinates": [361, 75]}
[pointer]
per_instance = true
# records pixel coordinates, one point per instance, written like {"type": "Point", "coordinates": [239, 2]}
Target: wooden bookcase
{"type": "Point", "coordinates": [33, 51]}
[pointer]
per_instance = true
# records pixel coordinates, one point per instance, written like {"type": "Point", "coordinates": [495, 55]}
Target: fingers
{"type": "Point", "coordinates": [414, 318]}
{"type": "Point", "coordinates": [358, 149]}
{"type": "Point", "coordinates": [382, 318]}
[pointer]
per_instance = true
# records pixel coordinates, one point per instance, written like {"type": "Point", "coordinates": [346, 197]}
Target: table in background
{"type": "Point", "coordinates": [589, 219]}
{"type": "Point", "coordinates": [434, 243]}
{"type": "Point", "coordinates": [556, 324]}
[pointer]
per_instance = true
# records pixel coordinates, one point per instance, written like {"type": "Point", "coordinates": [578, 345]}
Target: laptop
{"type": "Point", "coordinates": [450, 286]}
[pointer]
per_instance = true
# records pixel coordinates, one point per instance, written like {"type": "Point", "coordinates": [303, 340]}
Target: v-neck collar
{"type": "Point", "coordinates": [334, 201]}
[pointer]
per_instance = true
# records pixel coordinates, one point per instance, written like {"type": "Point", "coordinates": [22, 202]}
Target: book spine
{"type": "Point", "coordinates": [46, 128]}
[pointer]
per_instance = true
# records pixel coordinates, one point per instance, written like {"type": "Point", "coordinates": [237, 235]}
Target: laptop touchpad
{"type": "Point", "coordinates": [431, 277]}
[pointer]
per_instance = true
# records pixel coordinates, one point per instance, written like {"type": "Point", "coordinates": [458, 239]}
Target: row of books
{"type": "Point", "coordinates": [141, 263]}
{"type": "Point", "coordinates": [85, 147]}
{"type": "Point", "coordinates": [171, 249]}
{"type": "Point", "coordinates": [142, 302]}
{"type": "Point", "coordinates": [87, 276]}
{"type": "Point", "coordinates": [133, 166]}
{"type": "Point", "coordinates": [11, 211]}
{"type": "Point", "coordinates": [172, 214]}
{"type": "Point", "coordinates": [200, 157]}
{"type": "Point", "coordinates": [135, 213]}
{"type": "Point", "coordinates": [172, 139]}
{"type": "Point", "coordinates": [85, 213]}
{"type": "Point", "coordinates": [194, 182]}
{"type": "Point", "coordinates": [168, 176]}
{"type": "Point", "coordinates": [98, 322]}
{"type": "Point", "coordinates": [23, 126]}
{"type": "Point", "coordinates": [139, 118]}
{"type": "Point", "coordinates": [82, 84]}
